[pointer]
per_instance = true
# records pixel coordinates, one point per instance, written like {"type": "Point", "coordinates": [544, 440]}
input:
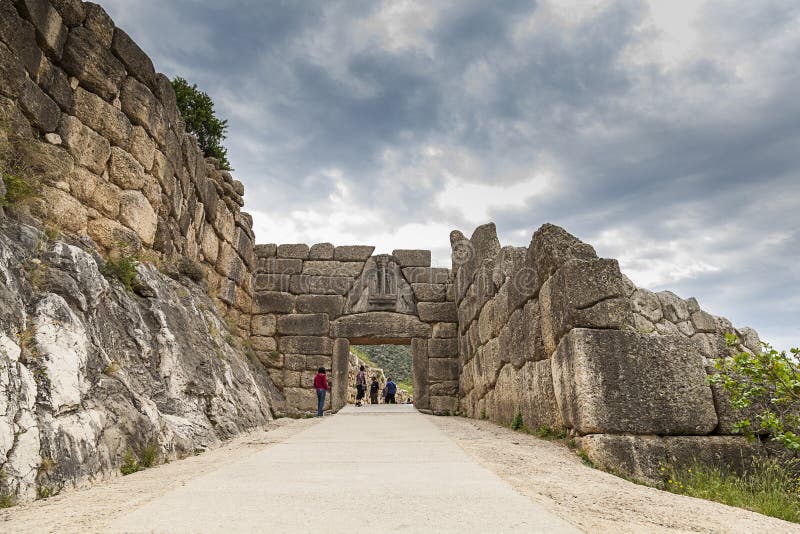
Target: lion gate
{"type": "Point", "coordinates": [311, 303]}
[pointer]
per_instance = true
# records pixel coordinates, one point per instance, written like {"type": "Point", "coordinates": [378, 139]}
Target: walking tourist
{"type": "Point", "coordinates": [321, 385]}
{"type": "Point", "coordinates": [373, 391]}
{"type": "Point", "coordinates": [361, 385]}
{"type": "Point", "coordinates": [391, 389]}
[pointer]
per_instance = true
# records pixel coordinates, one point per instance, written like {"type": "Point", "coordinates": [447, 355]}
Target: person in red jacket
{"type": "Point", "coordinates": [321, 385]}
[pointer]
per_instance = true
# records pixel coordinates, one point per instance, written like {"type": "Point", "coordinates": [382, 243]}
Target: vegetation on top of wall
{"type": "Point", "coordinates": [197, 110]}
{"type": "Point", "coordinates": [767, 384]}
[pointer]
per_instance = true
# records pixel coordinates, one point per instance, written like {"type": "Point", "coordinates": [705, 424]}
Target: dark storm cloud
{"type": "Point", "coordinates": [362, 114]}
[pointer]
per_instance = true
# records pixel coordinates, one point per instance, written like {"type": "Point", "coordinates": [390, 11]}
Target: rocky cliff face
{"type": "Point", "coordinates": [90, 371]}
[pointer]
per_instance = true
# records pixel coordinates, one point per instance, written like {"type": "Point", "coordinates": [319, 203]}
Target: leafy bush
{"type": "Point", "coordinates": [516, 423]}
{"type": "Point", "coordinates": [149, 455]}
{"type": "Point", "coordinates": [197, 110]}
{"type": "Point", "coordinates": [18, 189]}
{"type": "Point", "coordinates": [129, 464]}
{"type": "Point", "coordinates": [123, 268]}
{"type": "Point", "coordinates": [769, 487]}
{"type": "Point", "coordinates": [768, 384]}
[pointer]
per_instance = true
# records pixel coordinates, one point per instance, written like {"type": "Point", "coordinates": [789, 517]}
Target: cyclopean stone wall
{"type": "Point", "coordinates": [563, 338]}
{"type": "Point", "coordinates": [311, 302]}
{"type": "Point", "coordinates": [86, 112]}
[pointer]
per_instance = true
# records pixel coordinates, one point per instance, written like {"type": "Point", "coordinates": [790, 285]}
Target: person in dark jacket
{"type": "Point", "coordinates": [322, 387]}
{"type": "Point", "coordinates": [373, 391]}
{"type": "Point", "coordinates": [391, 389]}
{"type": "Point", "coordinates": [361, 385]}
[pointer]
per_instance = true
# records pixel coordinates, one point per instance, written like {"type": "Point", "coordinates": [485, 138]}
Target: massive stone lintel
{"type": "Point", "coordinates": [380, 327]}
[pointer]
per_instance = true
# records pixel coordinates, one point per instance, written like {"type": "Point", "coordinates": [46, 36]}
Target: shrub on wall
{"type": "Point", "coordinates": [197, 110]}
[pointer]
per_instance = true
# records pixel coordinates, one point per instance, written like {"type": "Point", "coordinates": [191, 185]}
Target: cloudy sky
{"type": "Point", "coordinates": [665, 133]}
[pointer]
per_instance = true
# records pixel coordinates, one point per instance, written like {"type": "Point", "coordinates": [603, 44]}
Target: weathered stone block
{"type": "Point", "coordinates": [124, 170]}
{"type": "Point", "coordinates": [426, 275]}
{"type": "Point", "coordinates": [331, 305]}
{"type": "Point", "coordinates": [230, 264]}
{"type": "Point", "coordinates": [675, 308]}
{"type": "Point", "coordinates": [537, 396]}
{"type": "Point", "coordinates": [320, 285]}
{"type": "Point", "coordinates": [437, 312]}
{"type": "Point", "coordinates": [445, 330]}
{"type": "Point", "coordinates": [521, 338]}
{"type": "Point", "coordinates": [443, 348]}
{"type": "Point", "coordinates": [704, 322]}
{"type": "Point", "coordinates": [109, 234]}
{"type": "Point", "coordinates": [263, 325]}
{"type": "Point", "coordinates": [552, 246]}
{"type": "Point", "coordinates": [280, 266]}
{"type": "Point", "coordinates": [20, 36]}
{"type": "Point", "coordinates": [610, 381]}
{"type": "Point", "coordinates": [144, 109]}
{"type": "Point", "coordinates": [87, 147]}
{"type": "Point", "coordinates": [385, 326]}
{"type": "Point", "coordinates": [315, 361]}
{"type": "Point", "coordinates": [272, 359]}
{"type": "Point", "coordinates": [265, 251]}
{"type": "Point", "coordinates": [47, 162]}
{"type": "Point", "coordinates": [296, 251]}
{"type": "Point", "coordinates": [419, 356]}
{"type": "Point", "coordinates": [295, 362]}
{"type": "Point", "coordinates": [137, 214]}
{"type": "Point", "coordinates": [303, 399]}
{"type": "Point", "coordinates": [641, 457]}
{"type": "Point", "coordinates": [646, 303]}
{"type": "Point", "coordinates": [102, 117]}
{"type": "Point", "coordinates": [353, 253]}
{"type": "Point", "coordinates": [72, 12]}
{"type": "Point", "coordinates": [443, 405]}
{"type": "Point", "coordinates": [12, 73]}
{"type": "Point", "coordinates": [306, 324]}
{"type": "Point", "coordinates": [42, 111]}
{"type": "Point", "coordinates": [412, 258]}
{"type": "Point", "coordinates": [97, 69]}
{"type": "Point", "coordinates": [273, 302]}
{"type": "Point", "coordinates": [50, 31]}
{"type": "Point", "coordinates": [430, 292]}
{"type": "Point", "coordinates": [583, 294]}
{"type": "Point", "coordinates": [332, 268]}
{"type": "Point", "coordinates": [134, 59]}
{"type": "Point", "coordinates": [100, 23]}
{"type": "Point", "coordinates": [321, 251]}
{"type": "Point", "coordinates": [272, 282]}
{"type": "Point", "coordinates": [305, 345]}
{"type": "Point", "coordinates": [440, 369]}
{"type": "Point", "coordinates": [60, 208]}
{"type": "Point", "coordinates": [55, 83]}
{"type": "Point", "coordinates": [95, 192]}
{"type": "Point", "coordinates": [263, 343]}
{"type": "Point", "coordinates": [444, 389]}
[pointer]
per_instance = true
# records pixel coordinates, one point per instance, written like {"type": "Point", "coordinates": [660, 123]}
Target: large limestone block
{"type": "Point", "coordinates": [419, 356]}
{"type": "Point", "coordinates": [430, 292]}
{"type": "Point", "coordinates": [303, 399]}
{"type": "Point", "coordinates": [100, 23]}
{"type": "Point", "coordinates": [331, 305]}
{"type": "Point", "coordinates": [703, 322]}
{"type": "Point", "coordinates": [583, 294]}
{"type": "Point", "coordinates": [611, 381]}
{"type": "Point", "coordinates": [443, 369]}
{"type": "Point", "coordinates": [641, 457]}
{"type": "Point", "coordinates": [20, 36]}
{"type": "Point", "coordinates": [93, 191]}
{"type": "Point", "coordinates": [102, 117]}
{"type": "Point", "coordinates": [445, 330]}
{"type": "Point", "coordinates": [426, 275]}
{"type": "Point", "coordinates": [321, 251]}
{"type": "Point", "coordinates": [387, 326]}
{"type": "Point", "coordinates": [305, 345]}
{"type": "Point", "coordinates": [138, 215]}
{"type": "Point", "coordinates": [332, 268]}
{"type": "Point", "coordinates": [42, 111]}
{"type": "Point", "coordinates": [443, 405]}
{"type": "Point", "coordinates": [506, 399]}
{"type": "Point", "coordinates": [71, 11]}
{"type": "Point", "coordinates": [50, 30]}
{"type": "Point", "coordinates": [263, 325]}
{"type": "Point", "coordinates": [266, 251]}
{"type": "Point", "coordinates": [353, 253]}
{"type": "Point", "coordinates": [280, 266]}
{"type": "Point", "coordinates": [229, 263]}
{"type": "Point", "coordinates": [144, 109]}
{"type": "Point", "coordinates": [64, 211]}
{"type": "Point", "coordinates": [124, 170]}
{"type": "Point", "coordinates": [647, 304]}
{"type": "Point", "coordinates": [55, 83]}
{"type": "Point", "coordinates": [109, 234]}
{"type": "Point", "coordinates": [437, 312]}
{"type": "Point", "coordinates": [293, 251]}
{"type": "Point", "coordinates": [443, 348]}
{"type": "Point", "coordinates": [675, 308]}
{"type": "Point", "coordinates": [552, 246]}
{"type": "Point", "coordinates": [537, 396]}
{"type": "Point", "coordinates": [49, 163]}
{"type": "Point", "coordinates": [412, 258]}
{"type": "Point", "coordinates": [87, 147]}
{"type": "Point", "coordinates": [320, 285]}
{"type": "Point", "coordinates": [521, 338]}
{"type": "Point", "coordinates": [95, 66]}
{"type": "Point", "coordinates": [142, 147]}
{"type": "Point", "coordinates": [134, 58]}
{"type": "Point", "coordinates": [272, 282]}
{"type": "Point", "coordinates": [12, 72]}
{"type": "Point", "coordinates": [303, 324]}
{"type": "Point", "coordinates": [273, 302]}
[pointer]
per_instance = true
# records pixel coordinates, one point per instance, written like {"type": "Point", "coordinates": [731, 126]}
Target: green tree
{"type": "Point", "coordinates": [197, 110]}
{"type": "Point", "coordinates": [768, 383]}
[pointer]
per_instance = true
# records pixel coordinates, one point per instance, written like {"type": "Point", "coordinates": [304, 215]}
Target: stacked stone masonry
{"type": "Point", "coordinates": [311, 303]}
{"type": "Point", "coordinates": [561, 337]}
{"type": "Point", "coordinates": [91, 117]}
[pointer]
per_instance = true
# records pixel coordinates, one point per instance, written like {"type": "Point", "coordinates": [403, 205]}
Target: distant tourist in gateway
{"type": "Point", "coordinates": [321, 385]}
{"type": "Point", "coordinates": [373, 391]}
{"type": "Point", "coordinates": [391, 389]}
{"type": "Point", "coordinates": [361, 385]}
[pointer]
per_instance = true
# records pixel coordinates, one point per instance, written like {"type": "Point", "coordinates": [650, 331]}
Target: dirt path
{"type": "Point", "coordinates": [547, 473]}
{"type": "Point", "coordinates": [553, 476]}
